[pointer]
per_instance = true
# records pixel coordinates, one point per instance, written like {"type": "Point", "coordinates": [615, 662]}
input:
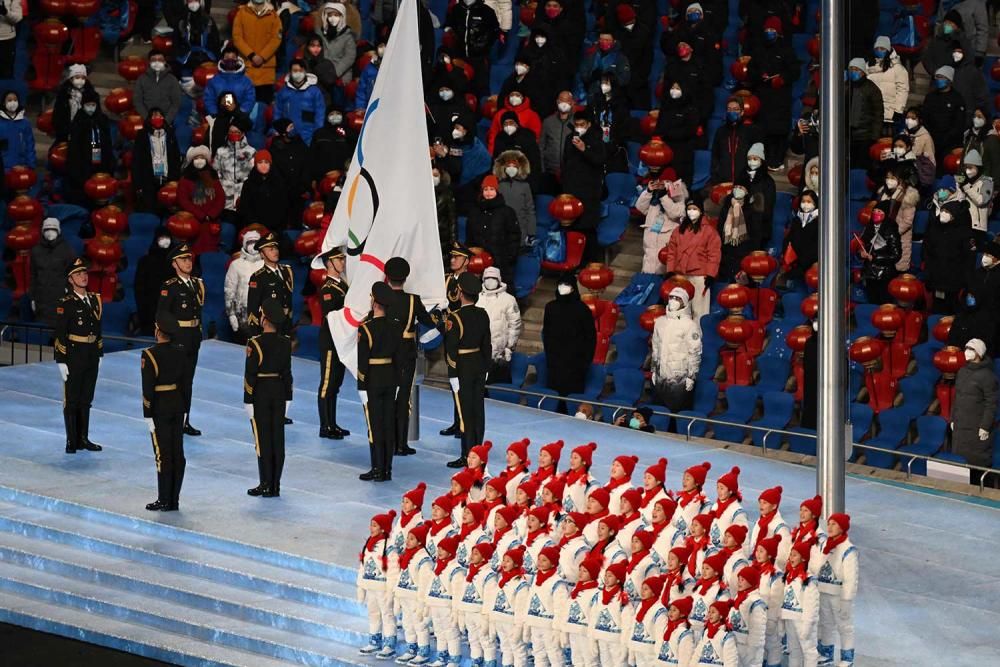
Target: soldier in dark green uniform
{"type": "Point", "coordinates": [78, 351]}
{"type": "Point", "coordinates": [378, 377]}
{"type": "Point", "coordinates": [163, 368]}
{"type": "Point", "coordinates": [331, 368]}
{"type": "Point", "coordinates": [267, 388]}
{"type": "Point", "coordinates": [468, 351]}
{"type": "Point", "coordinates": [407, 310]}
{"type": "Point", "coordinates": [183, 296]}
{"type": "Point", "coordinates": [458, 261]}
{"type": "Point", "coordinates": [272, 281]}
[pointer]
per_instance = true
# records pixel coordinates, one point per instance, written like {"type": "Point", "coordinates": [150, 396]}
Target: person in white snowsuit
{"type": "Point", "coordinates": [976, 188]}
{"type": "Point", "coordinates": [233, 162]}
{"type": "Point", "coordinates": [620, 481]}
{"type": "Point", "coordinates": [631, 520]}
{"type": "Point", "coordinates": [507, 606]}
{"type": "Point", "coordinates": [663, 204]}
{"type": "Point", "coordinates": [476, 465]}
{"type": "Point", "coordinates": [772, 592]}
{"type": "Point", "coordinates": [699, 546]}
{"type": "Point", "coordinates": [410, 516]}
{"type": "Point", "coordinates": [645, 623]}
{"type": "Point", "coordinates": [736, 559]}
{"type": "Point", "coordinates": [597, 509]}
{"type": "Point", "coordinates": [537, 538]}
{"type": "Point", "coordinates": [748, 618]}
{"type": "Point", "coordinates": [771, 523]}
{"type": "Point", "coordinates": [808, 529]}
{"type": "Point", "coordinates": [835, 565]}
{"type": "Point", "coordinates": [718, 644]}
{"type": "Point", "coordinates": [677, 582]}
{"type": "Point", "coordinates": [505, 322]}
{"type": "Point", "coordinates": [667, 536]}
{"type": "Point", "coordinates": [610, 601]}
{"type": "Point", "coordinates": [471, 532]}
{"type": "Point", "coordinates": [546, 595]}
{"type": "Point", "coordinates": [416, 567]}
{"type": "Point", "coordinates": [573, 619]}
{"type": "Point", "coordinates": [676, 646]}
{"type": "Point", "coordinates": [800, 608]}
{"type": "Point", "coordinates": [606, 545]}
{"type": "Point", "coordinates": [728, 507]}
{"type": "Point", "coordinates": [473, 617]}
{"type": "Point", "coordinates": [709, 588]}
{"type": "Point", "coordinates": [505, 537]}
{"type": "Point", "coordinates": [441, 524]}
{"type": "Point", "coordinates": [579, 482]}
{"type": "Point", "coordinates": [373, 588]}
{"type": "Point", "coordinates": [237, 284]}
{"type": "Point", "coordinates": [691, 499]}
{"type": "Point", "coordinates": [438, 595]}
{"type": "Point", "coordinates": [642, 564]}
{"type": "Point", "coordinates": [516, 471]}
{"type": "Point", "coordinates": [676, 348]}
{"type": "Point", "coordinates": [653, 488]}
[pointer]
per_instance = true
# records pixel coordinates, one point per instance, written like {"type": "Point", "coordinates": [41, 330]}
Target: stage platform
{"type": "Point", "coordinates": [235, 580]}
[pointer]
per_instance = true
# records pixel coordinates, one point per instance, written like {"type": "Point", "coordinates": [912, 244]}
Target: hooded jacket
{"type": "Point", "coordinates": [17, 140]}
{"type": "Point", "coordinates": [516, 191]}
{"type": "Point", "coordinates": [234, 162]}
{"type": "Point", "coordinates": [339, 45]}
{"type": "Point", "coordinates": [303, 105]}
{"type": "Point", "coordinates": [159, 90]}
{"type": "Point", "coordinates": [49, 262]}
{"type": "Point", "coordinates": [505, 316]}
{"type": "Point", "coordinates": [237, 284]}
{"type": "Point", "coordinates": [151, 271]}
{"type": "Point", "coordinates": [526, 118]}
{"type": "Point", "coordinates": [236, 82]}
{"type": "Point", "coordinates": [676, 346]}
{"type": "Point", "coordinates": [974, 409]}
{"type": "Point", "coordinates": [197, 37]}
{"type": "Point", "coordinates": [893, 81]}
{"type": "Point", "coordinates": [258, 34]}
{"type": "Point", "coordinates": [475, 27]}
{"type": "Point", "coordinates": [67, 105]}
{"type": "Point", "coordinates": [664, 212]}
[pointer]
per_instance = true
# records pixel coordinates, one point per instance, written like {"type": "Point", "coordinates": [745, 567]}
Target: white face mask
{"type": "Point", "coordinates": [199, 162]}
{"type": "Point", "coordinates": [957, 56]}
{"type": "Point", "coordinates": [335, 21]}
{"type": "Point", "coordinates": [50, 234]}
{"type": "Point", "coordinates": [753, 163]}
{"type": "Point", "coordinates": [675, 93]}
{"type": "Point", "coordinates": [911, 123]}
{"type": "Point", "coordinates": [380, 51]}
{"type": "Point", "coordinates": [564, 289]}
{"type": "Point", "coordinates": [457, 134]}
{"type": "Point", "coordinates": [335, 118]}
{"type": "Point", "coordinates": [693, 214]}
{"type": "Point", "coordinates": [971, 173]}
{"type": "Point", "coordinates": [673, 305]}
{"type": "Point", "coordinates": [491, 283]}
{"type": "Point", "coordinates": [581, 415]}
{"type": "Point", "coordinates": [899, 151]}
{"type": "Point", "coordinates": [446, 94]}
{"type": "Point", "coordinates": [510, 171]}
{"type": "Point", "coordinates": [978, 121]}
{"type": "Point", "coordinates": [945, 217]}
{"type": "Point", "coordinates": [163, 242]}
{"type": "Point", "coordinates": [521, 69]}
{"type": "Point", "coordinates": [437, 180]}
{"type": "Point", "coordinates": [11, 106]}
{"type": "Point", "coordinates": [194, 6]}
{"type": "Point", "coordinates": [564, 107]}
{"type": "Point", "coordinates": [540, 41]}
{"type": "Point", "coordinates": [605, 88]}
{"type": "Point", "coordinates": [298, 76]}
{"type": "Point", "coordinates": [987, 261]}
{"type": "Point", "coordinates": [157, 66]}
{"type": "Point", "coordinates": [515, 100]}
{"type": "Point", "coordinates": [78, 82]}
{"type": "Point", "coordinates": [891, 183]}
{"type": "Point", "coordinates": [739, 193]}
{"type": "Point", "coordinates": [580, 131]}
{"type": "Point", "coordinates": [510, 129]}
{"type": "Point", "coordinates": [807, 207]}
{"type": "Point", "coordinates": [970, 355]}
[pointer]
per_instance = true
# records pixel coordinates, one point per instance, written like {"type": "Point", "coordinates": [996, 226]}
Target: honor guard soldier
{"type": "Point", "coordinates": [272, 281]}
{"type": "Point", "coordinates": [468, 351]}
{"type": "Point", "coordinates": [378, 378]}
{"type": "Point", "coordinates": [267, 389]}
{"type": "Point", "coordinates": [458, 262]}
{"type": "Point", "coordinates": [78, 351]}
{"type": "Point", "coordinates": [163, 368]}
{"type": "Point", "coordinates": [407, 310]}
{"type": "Point", "coordinates": [183, 296]}
{"type": "Point", "coordinates": [331, 369]}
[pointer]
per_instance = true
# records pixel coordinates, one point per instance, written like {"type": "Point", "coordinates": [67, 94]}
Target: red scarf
{"type": "Point", "coordinates": [762, 524]}
{"type": "Point", "coordinates": [474, 570]}
{"type": "Point", "coordinates": [581, 587]}
{"type": "Point", "coordinates": [598, 548]}
{"type": "Point", "coordinates": [370, 545]}
{"type": "Point", "coordinates": [507, 576]}
{"type": "Point", "coordinates": [615, 483]}
{"type": "Point", "coordinates": [792, 573]}
{"type": "Point", "coordinates": [627, 519]}
{"type": "Point", "coordinates": [608, 594]}
{"type": "Point", "coordinates": [498, 535]}
{"type": "Point", "coordinates": [740, 597]}
{"type": "Point", "coordinates": [490, 504]}
{"type": "Point", "coordinates": [509, 473]}
{"type": "Point", "coordinates": [805, 529]}
{"type": "Point", "coordinates": [404, 518]}
{"type": "Point", "coordinates": [477, 473]}
{"type": "Point", "coordinates": [765, 569]}
{"type": "Point", "coordinates": [541, 577]}
{"type": "Point", "coordinates": [636, 559]}
{"type": "Point", "coordinates": [459, 499]}
{"type": "Point", "coordinates": [594, 518]}
{"type": "Point", "coordinates": [695, 544]}
{"type": "Point", "coordinates": [407, 556]}
{"type": "Point", "coordinates": [564, 540]}
{"type": "Point", "coordinates": [833, 542]}
{"type": "Point", "coordinates": [658, 528]}
{"type": "Point", "coordinates": [437, 526]}
{"type": "Point", "coordinates": [644, 606]}
{"type": "Point", "coordinates": [649, 495]}
{"type": "Point", "coordinates": [703, 585]}
{"type": "Point", "coordinates": [671, 579]}
{"type": "Point", "coordinates": [722, 505]}
{"type": "Point", "coordinates": [441, 564]}
{"type": "Point", "coordinates": [574, 476]}
{"type": "Point", "coordinates": [543, 474]}
{"type": "Point", "coordinates": [712, 628]}
{"type": "Point", "coordinates": [467, 529]}
{"type": "Point", "coordinates": [532, 536]}
{"type": "Point", "coordinates": [673, 625]}
{"type": "Point", "coordinates": [684, 498]}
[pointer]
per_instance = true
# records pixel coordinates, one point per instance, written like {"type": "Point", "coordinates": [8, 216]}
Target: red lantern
{"type": "Point", "coordinates": [733, 298]}
{"type": "Point", "coordinates": [739, 68]}
{"type": "Point", "coordinates": [20, 178]}
{"type": "Point", "coordinates": [648, 123]}
{"type": "Point", "coordinates": [750, 102]}
{"type": "Point", "coordinates": [596, 277]}
{"type": "Point", "coordinates": [676, 281]}
{"type": "Point", "coordinates": [489, 107]}
{"type": "Point", "coordinates": [566, 208]}
{"type": "Point", "coordinates": [735, 330]}
{"type": "Point", "coordinates": [758, 265]}
{"type": "Point", "coordinates": [163, 43]}
{"type": "Point", "coordinates": [355, 119]}
{"type": "Point", "coordinates": [183, 225]}
{"type": "Point", "coordinates": [84, 8]}
{"type": "Point", "coordinates": [45, 123]}
{"type": "Point", "coordinates": [906, 289]}
{"type": "Point", "coordinates": [329, 181]}
{"type": "Point", "coordinates": [104, 250]}
{"type": "Point", "coordinates": [317, 277]}
{"type": "Point", "coordinates": [23, 237]}
{"type": "Point", "coordinates": [480, 261]}
{"type": "Point", "coordinates": [308, 243]}
{"type": "Point", "coordinates": [662, 255]}
{"type": "Point", "coordinates": [943, 328]}
{"type": "Point", "coordinates": [812, 276]}
{"type": "Point", "coordinates": [58, 155]}
{"type": "Point", "coordinates": [119, 100]}
{"type": "Point", "coordinates": [720, 191]}
{"type": "Point", "coordinates": [876, 149]}
{"type": "Point", "coordinates": [648, 318]}
{"type": "Point", "coordinates": [100, 187]}
{"type": "Point", "coordinates": [204, 73]}
{"type": "Point", "coordinates": [948, 360]}
{"type": "Point", "coordinates": [888, 319]}
{"type": "Point", "coordinates": [655, 153]}
{"type": "Point", "coordinates": [312, 216]}
{"type": "Point", "coordinates": [812, 48]}
{"type": "Point", "coordinates": [55, 7]}
{"type": "Point", "coordinates": [129, 125]}
{"type": "Point", "coordinates": [528, 12]}
{"type": "Point", "coordinates": [810, 306]}
{"type": "Point", "coordinates": [132, 67]}
{"type": "Point", "coordinates": [471, 102]}
{"type": "Point", "coordinates": [199, 135]}
{"type": "Point", "coordinates": [865, 214]}
{"type": "Point", "coordinates": [795, 175]}
{"type": "Point", "coordinates": [866, 350]}
{"type": "Point", "coordinates": [51, 33]}
{"type": "Point", "coordinates": [797, 337]}
{"type": "Point", "coordinates": [23, 209]}
{"type": "Point", "coordinates": [167, 196]}
{"type": "Point", "coordinates": [952, 160]}
{"type": "Point", "coordinates": [110, 219]}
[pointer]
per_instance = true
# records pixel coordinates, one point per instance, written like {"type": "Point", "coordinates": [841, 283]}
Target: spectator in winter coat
{"type": "Point", "coordinates": [237, 284]}
{"type": "Point", "coordinates": [606, 59]}
{"type": "Point", "coordinates": [527, 118]}
{"type": "Point", "coordinates": [887, 72]}
{"type": "Point", "coordinates": [504, 11]}
{"type": "Point", "coordinates": [462, 153]}
{"type": "Point", "coordinates": [264, 197]}
{"type": "Point", "coordinates": [977, 189]}
{"type": "Point", "coordinates": [290, 159]}
{"type": "Point", "coordinates": [880, 249]}
{"type": "Point", "coordinates": [332, 146]}
{"type": "Point", "coordinates": [326, 73]}
{"type": "Point", "coordinates": [197, 38]}
{"type": "Point", "coordinates": [492, 225]}
{"type": "Point", "coordinates": [339, 42]}
{"type": "Point", "coordinates": [199, 191]}
{"type": "Point", "coordinates": [10, 15]}
{"type": "Point", "coordinates": [257, 34]}
{"type": "Point", "coordinates": [633, 28]}
{"type": "Point", "coordinates": [948, 255]}
{"type": "Point", "coordinates": [90, 149]}
{"type": "Point", "coordinates": [677, 124]}
{"type": "Point", "coordinates": [232, 78]}
{"type": "Point", "coordinates": [695, 251]}
{"type": "Point", "coordinates": [151, 271]}
{"type": "Point", "coordinates": [445, 98]}
{"type": "Point", "coordinates": [741, 227]}
{"type": "Point", "coordinates": [17, 139]}
{"type": "Point", "coordinates": [366, 84]}
{"type": "Point", "coordinates": [969, 81]}
{"type": "Point", "coordinates": [676, 352]}
{"type": "Point", "coordinates": [556, 130]}
{"type": "Point", "coordinates": [944, 114]}
{"type": "Point", "coordinates": [505, 322]}
{"type": "Point", "coordinates": [583, 176]}
{"type": "Point", "coordinates": [610, 108]}
{"type": "Point", "coordinates": [566, 23]}
{"type": "Point", "coordinates": [772, 71]}
{"type": "Point", "coordinates": [731, 143]}
{"type": "Point", "coordinates": [802, 248]}
{"type": "Point", "coordinates": [975, 408]}
{"type": "Point", "coordinates": [569, 338]}
{"type": "Point", "coordinates": [903, 200]}
{"type": "Point", "coordinates": [546, 58]}
{"type": "Point", "coordinates": [923, 142]}
{"type": "Point", "coordinates": [513, 170]}
{"type": "Point", "coordinates": [700, 31]}
{"type": "Point", "coordinates": [981, 137]}
{"type": "Point", "coordinates": [69, 99]}
{"type": "Point", "coordinates": [977, 316]}
{"type": "Point", "coordinates": [157, 88]}
{"type": "Point", "coordinates": [50, 259]}
{"type": "Point", "coordinates": [663, 204]}
{"type": "Point", "coordinates": [475, 28]}
{"type": "Point", "coordinates": [156, 160]}
{"type": "Point", "coordinates": [687, 68]}
{"type": "Point", "coordinates": [976, 23]}
{"type": "Point", "coordinates": [532, 84]}
{"type": "Point", "coordinates": [938, 51]}
{"type": "Point", "coordinates": [866, 109]}
{"type": "Point", "coordinates": [761, 189]}
{"type": "Point", "coordinates": [810, 175]}
{"type": "Point", "coordinates": [513, 137]}
{"type": "Point", "coordinates": [446, 214]}
{"type": "Point", "coordinates": [233, 161]}
{"type": "Point", "coordinates": [301, 101]}
{"type": "Point", "coordinates": [228, 114]}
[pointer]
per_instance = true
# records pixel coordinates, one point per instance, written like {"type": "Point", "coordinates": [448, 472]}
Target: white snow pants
{"type": "Point", "coordinates": [481, 644]}
{"type": "Point", "coordinates": [380, 617]}
{"type": "Point", "coordinates": [545, 647]}
{"type": "Point", "coordinates": [583, 649]}
{"type": "Point", "coordinates": [801, 644]}
{"type": "Point", "coordinates": [772, 641]}
{"type": "Point", "coordinates": [836, 617]}
{"type": "Point", "coordinates": [445, 630]}
{"type": "Point", "coordinates": [513, 650]}
{"type": "Point", "coordinates": [415, 628]}
{"type": "Point", "coordinates": [610, 652]}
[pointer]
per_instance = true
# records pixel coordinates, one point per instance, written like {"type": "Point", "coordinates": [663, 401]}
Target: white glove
{"type": "Point", "coordinates": [454, 384]}
{"type": "Point", "coordinates": [234, 323]}
{"type": "Point", "coordinates": [249, 408]}
{"type": "Point", "coordinates": [688, 384]}
{"type": "Point", "coordinates": [984, 434]}
{"type": "Point", "coordinates": [363, 395]}
{"type": "Point", "coordinates": [64, 371]}
{"type": "Point", "coordinates": [952, 426]}
{"type": "Point", "coordinates": [506, 354]}
{"type": "Point", "coordinates": [288, 406]}
{"type": "Point", "coordinates": [34, 306]}
{"type": "Point", "coordinates": [149, 424]}
{"type": "Point", "coordinates": [100, 360]}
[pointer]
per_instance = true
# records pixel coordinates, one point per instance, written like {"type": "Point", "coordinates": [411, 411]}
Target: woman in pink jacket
{"type": "Point", "coordinates": [694, 251]}
{"type": "Point", "coordinates": [903, 199]}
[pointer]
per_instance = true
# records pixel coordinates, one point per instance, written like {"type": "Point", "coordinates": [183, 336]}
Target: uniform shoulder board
{"type": "Point", "coordinates": [170, 281]}
{"type": "Point", "coordinates": [286, 269]}
{"type": "Point", "coordinates": [258, 271]}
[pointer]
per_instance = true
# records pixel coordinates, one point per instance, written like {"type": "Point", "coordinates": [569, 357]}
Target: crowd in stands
{"type": "Point", "coordinates": [551, 129]}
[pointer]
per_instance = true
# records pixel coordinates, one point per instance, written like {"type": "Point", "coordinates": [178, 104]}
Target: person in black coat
{"type": "Point", "coordinates": [475, 27]}
{"type": "Point", "coordinates": [762, 188]}
{"type": "Point", "coordinates": [445, 98]}
{"type": "Point", "coordinates": [291, 161]}
{"type": "Point", "coordinates": [741, 227]}
{"type": "Point", "coordinates": [980, 308]}
{"type": "Point", "coordinates": [677, 125]}
{"type": "Point", "coordinates": [545, 56]}
{"type": "Point", "coordinates": [566, 23]}
{"type": "Point", "coordinates": [151, 272]}
{"type": "Point", "coordinates": [880, 249]}
{"type": "Point", "coordinates": [949, 254]}
{"type": "Point", "coordinates": [803, 237]}
{"type": "Point", "coordinates": [492, 226]}
{"type": "Point", "coordinates": [521, 139]}
{"type": "Point", "coordinates": [611, 111]}
{"type": "Point", "coordinates": [731, 143]}
{"type": "Point", "coordinates": [69, 98]}
{"type": "Point", "coordinates": [264, 198]}
{"type": "Point", "coordinates": [702, 35]}
{"type": "Point", "coordinates": [156, 160]}
{"type": "Point", "coordinates": [583, 176]}
{"type": "Point", "coordinates": [569, 338]}
{"type": "Point", "coordinates": [332, 146]}
{"type": "Point", "coordinates": [805, 136]}
{"type": "Point", "coordinates": [229, 114]}
{"type": "Point", "coordinates": [535, 86]}
{"type": "Point", "coordinates": [633, 22]}
{"type": "Point", "coordinates": [90, 150]}
{"type": "Point", "coordinates": [772, 70]}
{"type": "Point", "coordinates": [755, 14]}
{"type": "Point", "coordinates": [944, 114]}
{"type": "Point", "coordinates": [687, 68]}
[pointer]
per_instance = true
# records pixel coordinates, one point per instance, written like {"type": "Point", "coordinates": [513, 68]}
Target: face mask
{"type": "Point", "coordinates": [469, 2]}
{"type": "Point", "coordinates": [258, 2]}
{"type": "Point", "coordinates": [970, 301]}
{"type": "Point", "coordinates": [899, 151]}
{"type": "Point", "coordinates": [446, 94]}
{"type": "Point", "coordinates": [605, 88]}
{"type": "Point", "coordinates": [770, 35]}
{"type": "Point", "coordinates": [693, 17]}
{"type": "Point", "coordinates": [891, 183]}
{"type": "Point", "coordinates": [78, 82]}
{"type": "Point", "coordinates": [11, 106]}
{"type": "Point", "coordinates": [457, 134]}
{"type": "Point", "coordinates": [436, 180]}
{"type": "Point", "coordinates": [521, 69]}
{"type": "Point", "coordinates": [854, 75]}
{"type": "Point", "coordinates": [90, 109]}
{"type": "Point", "coordinates": [509, 129]}
{"type": "Point", "coordinates": [234, 136]}
{"type": "Point", "coordinates": [163, 242]}
{"type": "Point", "coordinates": [564, 107]}
{"type": "Point", "coordinates": [693, 214]}
{"type": "Point", "coordinates": [739, 193]}
{"type": "Point", "coordinates": [957, 56]}
{"type": "Point", "coordinates": [941, 84]}
{"type": "Point", "coordinates": [945, 217]}
{"type": "Point", "coordinates": [540, 41]}
{"type": "Point", "coordinates": [605, 44]}
{"type": "Point", "coordinates": [194, 6]}
{"type": "Point", "coordinates": [510, 171]}
{"type": "Point", "coordinates": [298, 77]}
{"type": "Point", "coordinates": [630, 27]}
{"type": "Point", "coordinates": [580, 131]}
{"type": "Point", "coordinates": [987, 261]}
{"type": "Point", "coordinates": [157, 66]}
{"type": "Point", "coordinates": [50, 234]}
{"type": "Point", "coordinates": [912, 123]}
{"type": "Point", "coordinates": [564, 289]}
{"type": "Point", "coordinates": [673, 305]}
{"type": "Point", "coordinates": [675, 94]}
{"type": "Point", "coordinates": [491, 283]}
{"type": "Point", "coordinates": [581, 415]}
{"type": "Point", "coordinates": [199, 162]}
{"type": "Point", "coordinates": [970, 355]}
{"type": "Point", "coordinates": [334, 20]}
{"type": "Point", "coordinates": [515, 100]}
{"type": "Point", "coordinates": [552, 12]}
{"type": "Point", "coordinates": [880, 53]}
{"type": "Point", "coordinates": [978, 122]}
{"type": "Point", "coordinates": [948, 28]}
{"type": "Point", "coordinates": [807, 207]}
{"type": "Point", "coordinates": [335, 118]}
{"type": "Point", "coordinates": [157, 122]}
{"type": "Point", "coordinates": [971, 173]}
{"type": "Point", "coordinates": [732, 116]}
{"type": "Point", "coordinates": [229, 65]}
{"type": "Point", "coordinates": [634, 423]}
{"type": "Point", "coordinates": [754, 164]}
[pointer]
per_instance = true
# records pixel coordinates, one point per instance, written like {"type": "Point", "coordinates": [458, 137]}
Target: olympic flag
{"type": "Point", "coordinates": [387, 208]}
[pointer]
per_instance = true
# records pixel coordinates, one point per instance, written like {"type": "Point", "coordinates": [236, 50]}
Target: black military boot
{"type": "Point", "coordinates": [326, 429]}
{"type": "Point", "coordinates": [188, 429]}
{"type": "Point", "coordinates": [370, 475]}
{"type": "Point", "coordinates": [69, 417]}
{"type": "Point", "coordinates": [83, 426]}
{"type": "Point", "coordinates": [451, 430]}
{"type": "Point", "coordinates": [342, 432]}
{"type": "Point", "coordinates": [258, 490]}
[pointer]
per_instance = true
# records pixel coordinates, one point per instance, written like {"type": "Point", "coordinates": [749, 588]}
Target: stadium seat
{"type": "Point", "coordinates": [741, 402]}
{"type": "Point", "coordinates": [631, 349]}
{"type": "Point", "coordinates": [527, 268]}
{"type": "Point", "coordinates": [894, 428]}
{"type": "Point", "coordinates": [774, 372]}
{"type": "Point", "coordinates": [702, 169]}
{"type": "Point", "coordinates": [518, 369]}
{"type": "Point", "coordinates": [621, 189]}
{"type": "Point", "coordinates": [575, 242]}
{"type": "Point", "coordinates": [778, 406]}
{"type": "Point", "coordinates": [930, 438]}
{"type": "Point", "coordinates": [611, 229]}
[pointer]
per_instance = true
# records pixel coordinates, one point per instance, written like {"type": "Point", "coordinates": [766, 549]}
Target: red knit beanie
{"type": "Point", "coordinates": [634, 499]}
{"type": "Point", "coordinates": [586, 452]}
{"type": "Point", "coordinates": [659, 469]}
{"type": "Point", "coordinates": [699, 472]}
{"type": "Point", "coordinates": [554, 449]}
{"type": "Point", "coordinates": [842, 520]}
{"type": "Point", "coordinates": [556, 485]}
{"type": "Point", "coordinates": [628, 463]}
{"type": "Point", "coordinates": [772, 495]}
{"type": "Point", "coordinates": [444, 502]}
{"type": "Point", "coordinates": [384, 521]}
{"type": "Point", "coordinates": [416, 494]}
{"type": "Point", "coordinates": [482, 451]}
{"type": "Point", "coordinates": [739, 533]}
{"type": "Point", "coordinates": [717, 562]}
{"type": "Point", "coordinates": [770, 545]}
{"type": "Point", "coordinates": [751, 575]}
{"type": "Point", "coordinates": [601, 496]}
{"type": "Point", "coordinates": [814, 505]}
{"type": "Point", "coordinates": [520, 448]}
{"type": "Point", "coordinates": [731, 480]}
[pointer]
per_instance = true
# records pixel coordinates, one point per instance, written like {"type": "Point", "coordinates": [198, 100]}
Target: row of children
{"type": "Point", "coordinates": [645, 576]}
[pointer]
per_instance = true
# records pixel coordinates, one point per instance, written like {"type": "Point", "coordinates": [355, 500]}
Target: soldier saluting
{"type": "Point", "coordinates": [378, 378]}
{"type": "Point", "coordinates": [163, 372]}
{"type": "Point", "coordinates": [272, 281]}
{"type": "Point", "coordinates": [468, 351]}
{"type": "Point", "coordinates": [183, 296]}
{"type": "Point", "coordinates": [78, 351]}
{"type": "Point", "coordinates": [458, 262]}
{"type": "Point", "coordinates": [331, 368]}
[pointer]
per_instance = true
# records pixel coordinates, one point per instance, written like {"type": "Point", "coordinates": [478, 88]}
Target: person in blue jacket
{"type": "Point", "coordinates": [462, 154]}
{"type": "Point", "coordinates": [301, 101]}
{"type": "Point", "coordinates": [363, 94]}
{"type": "Point", "coordinates": [232, 78]}
{"type": "Point", "coordinates": [17, 142]}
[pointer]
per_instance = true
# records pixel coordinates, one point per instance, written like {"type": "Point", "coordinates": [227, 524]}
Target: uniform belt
{"type": "Point", "coordinates": [188, 324]}
{"type": "Point", "coordinates": [165, 387]}
{"type": "Point", "coordinates": [380, 361]}
{"type": "Point", "coordinates": [269, 375]}
{"type": "Point", "coordinates": [409, 334]}
{"type": "Point", "coordinates": [81, 339]}
{"type": "Point", "coordinates": [468, 350]}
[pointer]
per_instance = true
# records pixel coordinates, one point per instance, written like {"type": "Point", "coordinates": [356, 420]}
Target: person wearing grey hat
{"type": "Point", "coordinates": [948, 31]}
{"type": "Point", "coordinates": [944, 113]}
{"type": "Point", "coordinates": [975, 408]}
{"type": "Point", "coordinates": [886, 70]}
{"type": "Point", "coordinates": [50, 258]}
{"type": "Point", "coordinates": [162, 368]}
{"type": "Point", "coordinates": [378, 380]}
{"type": "Point", "coordinates": [866, 111]}
{"type": "Point", "coordinates": [977, 188]}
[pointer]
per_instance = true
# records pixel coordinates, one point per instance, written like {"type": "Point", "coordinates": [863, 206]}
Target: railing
{"type": "Point", "coordinates": [768, 431]}
{"type": "Point", "coordinates": [35, 339]}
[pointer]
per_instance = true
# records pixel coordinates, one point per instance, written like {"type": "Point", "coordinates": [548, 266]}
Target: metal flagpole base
{"type": "Point", "coordinates": [413, 433]}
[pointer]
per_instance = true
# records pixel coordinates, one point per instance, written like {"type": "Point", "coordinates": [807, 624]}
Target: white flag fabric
{"type": "Point", "coordinates": [387, 208]}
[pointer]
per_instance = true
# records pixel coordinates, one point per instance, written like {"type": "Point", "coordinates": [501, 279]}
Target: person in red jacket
{"type": "Point", "coordinates": [694, 251]}
{"type": "Point", "coordinates": [527, 117]}
{"type": "Point", "coordinates": [199, 191]}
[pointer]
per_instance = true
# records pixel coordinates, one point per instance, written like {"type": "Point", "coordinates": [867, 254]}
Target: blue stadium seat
{"type": "Point", "coordinates": [802, 444]}
{"type": "Point", "coordinates": [930, 438]}
{"type": "Point", "coordinates": [774, 371]}
{"type": "Point", "coordinates": [628, 383]}
{"type": "Point", "coordinates": [917, 395]}
{"type": "Point", "coordinates": [527, 268]}
{"type": "Point", "coordinates": [631, 349]}
{"type": "Point", "coordinates": [621, 188]}
{"type": "Point", "coordinates": [741, 402]}
{"type": "Point", "coordinates": [308, 337]}
{"type": "Point", "coordinates": [702, 169]}
{"type": "Point", "coordinates": [518, 369]}
{"type": "Point", "coordinates": [861, 421]}
{"type": "Point", "coordinates": [611, 229]}
{"type": "Point", "coordinates": [778, 406]}
{"type": "Point", "coordinates": [858, 185]}
{"type": "Point", "coordinates": [894, 427]}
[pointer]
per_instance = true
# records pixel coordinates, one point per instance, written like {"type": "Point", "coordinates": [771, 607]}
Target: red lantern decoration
{"type": "Point", "coordinates": [20, 178]}
{"type": "Point", "coordinates": [865, 214]}
{"type": "Point", "coordinates": [129, 125]}
{"type": "Point", "coordinates": [797, 338]}
{"type": "Point", "coordinates": [118, 101]}
{"type": "Point", "coordinates": [199, 135]}
{"type": "Point", "coordinates": [183, 225]}
{"type": "Point", "coordinates": [952, 160]}
{"type": "Point", "coordinates": [655, 153]}
{"type": "Point", "coordinates": [720, 191]}
{"type": "Point", "coordinates": [676, 281]}
{"type": "Point", "coordinates": [810, 306]}
{"type": "Point", "coordinates": [204, 73]}
{"type": "Point", "coordinates": [329, 182]}
{"type": "Point", "coordinates": [45, 123]}
{"type": "Point", "coordinates": [355, 119]}
{"type": "Point", "coordinates": [167, 196]}
{"type": "Point", "coordinates": [480, 261]}
{"type": "Point", "coordinates": [104, 250]}
{"type": "Point", "coordinates": [943, 328]}
{"type": "Point", "coordinates": [312, 216]}
{"type": "Point", "coordinates": [590, 301]}
{"type": "Point", "coordinates": [734, 298]}
{"type": "Point", "coordinates": [758, 265]}
{"type": "Point", "coordinates": [866, 350]}
{"type": "Point", "coordinates": [812, 48]}
{"type": "Point", "coordinates": [750, 102]}
{"type": "Point", "coordinates": [23, 237]}
{"type": "Point", "coordinates": [84, 8]}
{"type": "Point", "coordinates": [906, 289]}
{"type": "Point", "coordinates": [164, 43]}
{"type": "Point", "coordinates": [795, 175]}
{"type": "Point", "coordinates": [739, 68]}
{"type": "Point", "coordinates": [662, 255]}
{"type": "Point", "coordinates": [110, 219]}
{"type": "Point", "coordinates": [648, 123]}
{"type": "Point", "coordinates": [735, 330]}
{"type": "Point", "coordinates": [132, 67]}
{"type": "Point", "coordinates": [648, 318]}
{"type": "Point", "coordinates": [100, 187]}
{"type": "Point", "coordinates": [888, 319]}
{"type": "Point", "coordinates": [55, 7]}
{"type": "Point", "coordinates": [566, 208]}
{"type": "Point", "coordinates": [308, 243]}
{"type": "Point", "coordinates": [876, 149]}
{"type": "Point", "coordinates": [24, 209]}
{"type": "Point", "coordinates": [596, 277]}
{"type": "Point", "coordinates": [489, 107]}
{"type": "Point", "coordinates": [812, 276]}
{"type": "Point", "coordinates": [58, 154]}
{"type": "Point", "coordinates": [51, 33]}
{"type": "Point", "coordinates": [317, 277]}
{"type": "Point", "coordinates": [948, 360]}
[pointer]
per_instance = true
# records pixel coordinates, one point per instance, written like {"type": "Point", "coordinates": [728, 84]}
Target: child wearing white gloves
{"type": "Point", "coordinates": [800, 608]}
{"type": "Point", "coordinates": [438, 596]}
{"type": "Point", "coordinates": [835, 565]}
{"type": "Point", "coordinates": [416, 567]}
{"type": "Point", "coordinates": [373, 588]}
{"type": "Point", "coordinates": [547, 594]}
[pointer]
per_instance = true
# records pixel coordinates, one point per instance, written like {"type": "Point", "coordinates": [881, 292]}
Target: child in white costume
{"type": "Point", "coordinates": [808, 530]}
{"type": "Point", "coordinates": [504, 536]}
{"type": "Point", "coordinates": [441, 524]}
{"type": "Point", "coordinates": [727, 508]}
{"type": "Point", "coordinates": [416, 567]}
{"type": "Point", "coordinates": [772, 591]}
{"type": "Point", "coordinates": [736, 560]}
{"type": "Point", "coordinates": [548, 460]}
{"type": "Point", "coordinates": [551, 497]}
{"type": "Point", "coordinates": [662, 527]}
{"type": "Point", "coordinates": [493, 499]}
{"type": "Point", "coordinates": [677, 583]}
{"type": "Point", "coordinates": [800, 608]}
{"type": "Point", "coordinates": [835, 565]}
{"type": "Point", "coordinates": [642, 564]}
{"type": "Point", "coordinates": [438, 596]}
{"type": "Point", "coordinates": [646, 623]}
{"type": "Point", "coordinates": [597, 509]}
{"type": "Point", "coordinates": [475, 465]}
{"type": "Point", "coordinates": [630, 518]}
{"type": "Point", "coordinates": [717, 645]}
{"type": "Point", "coordinates": [471, 532]}
{"type": "Point", "coordinates": [524, 500]}
{"type": "Point", "coordinates": [620, 480]}
{"type": "Point", "coordinates": [691, 499]}
{"type": "Point", "coordinates": [461, 483]}
{"type": "Point", "coordinates": [610, 601]}
{"type": "Point", "coordinates": [771, 523]}
{"type": "Point", "coordinates": [708, 589]}
{"type": "Point", "coordinates": [516, 471]}
{"type": "Point", "coordinates": [676, 646]}
{"type": "Point", "coordinates": [479, 586]}
{"type": "Point", "coordinates": [606, 546]}
{"type": "Point", "coordinates": [410, 516]}
{"type": "Point", "coordinates": [699, 544]}
{"type": "Point", "coordinates": [579, 482]}
{"type": "Point", "coordinates": [748, 618]}
{"type": "Point", "coordinates": [653, 488]}
{"type": "Point", "coordinates": [508, 605]}
{"type": "Point", "coordinates": [574, 618]}
{"type": "Point", "coordinates": [373, 588]}
{"type": "Point", "coordinates": [573, 547]}
{"type": "Point", "coordinates": [537, 538]}
{"type": "Point", "coordinates": [547, 594]}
